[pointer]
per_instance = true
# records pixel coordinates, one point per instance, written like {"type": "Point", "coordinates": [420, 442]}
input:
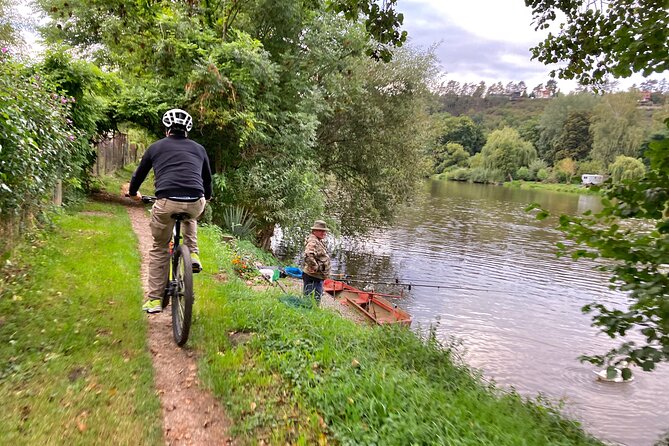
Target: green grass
{"type": "Point", "coordinates": [74, 365]}
{"type": "Point", "coordinates": [299, 376]}
{"type": "Point", "coordinates": [112, 183]}
{"type": "Point", "coordinates": [75, 368]}
{"type": "Point", "coordinates": [555, 187]}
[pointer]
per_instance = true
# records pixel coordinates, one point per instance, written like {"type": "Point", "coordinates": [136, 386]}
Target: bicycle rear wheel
{"type": "Point", "coordinates": [182, 299]}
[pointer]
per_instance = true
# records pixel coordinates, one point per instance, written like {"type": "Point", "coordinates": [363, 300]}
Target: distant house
{"type": "Point", "coordinates": [645, 98]}
{"type": "Point", "coordinates": [543, 93]}
{"type": "Point", "coordinates": [591, 179]}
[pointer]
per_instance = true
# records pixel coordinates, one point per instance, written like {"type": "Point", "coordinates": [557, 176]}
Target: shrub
{"type": "Point", "coordinates": [543, 174]}
{"type": "Point", "coordinates": [535, 166]}
{"type": "Point", "coordinates": [461, 174]}
{"type": "Point", "coordinates": [240, 222]}
{"type": "Point", "coordinates": [523, 174]}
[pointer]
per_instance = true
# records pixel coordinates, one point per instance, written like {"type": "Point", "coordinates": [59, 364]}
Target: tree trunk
{"type": "Point", "coordinates": [264, 237]}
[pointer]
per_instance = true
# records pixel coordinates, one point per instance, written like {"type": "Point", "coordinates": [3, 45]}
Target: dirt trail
{"type": "Point", "coordinates": [191, 415]}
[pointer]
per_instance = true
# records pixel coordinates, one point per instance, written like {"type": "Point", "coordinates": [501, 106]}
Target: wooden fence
{"type": "Point", "coordinates": [113, 153]}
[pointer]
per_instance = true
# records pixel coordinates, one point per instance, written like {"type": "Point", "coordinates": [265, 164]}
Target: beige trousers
{"type": "Point", "coordinates": [162, 225]}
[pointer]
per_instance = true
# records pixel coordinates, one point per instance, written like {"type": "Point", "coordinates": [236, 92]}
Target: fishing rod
{"type": "Point", "coordinates": [409, 285]}
{"type": "Point", "coordinates": [360, 277]}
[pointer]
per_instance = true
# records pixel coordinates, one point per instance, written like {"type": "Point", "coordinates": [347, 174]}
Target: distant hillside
{"type": "Point", "coordinates": [493, 112]}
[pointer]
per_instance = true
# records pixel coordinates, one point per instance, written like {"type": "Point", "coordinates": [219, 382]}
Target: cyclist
{"type": "Point", "coordinates": [183, 184]}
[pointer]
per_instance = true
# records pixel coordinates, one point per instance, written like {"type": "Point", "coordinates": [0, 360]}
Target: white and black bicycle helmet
{"type": "Point", "coordinates": [178, 118]}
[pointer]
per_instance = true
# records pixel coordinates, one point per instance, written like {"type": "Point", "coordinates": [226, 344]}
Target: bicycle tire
{"type": "Point", "coordinates": [182, 297]}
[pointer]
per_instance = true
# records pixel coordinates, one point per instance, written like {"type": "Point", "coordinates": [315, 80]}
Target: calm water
{"type": "Point", "coordinates": [514, 305]}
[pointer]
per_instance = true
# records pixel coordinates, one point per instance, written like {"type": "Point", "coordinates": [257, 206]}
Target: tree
{"type": "Point", "coordinates": [565, 169]}
{"type": "Point", "coordinates": [618, 37]}
{"type": "Point", "coordinates": [9, 32]}
{"type": "Point", "coordinates": [552, 121]}
{"type": "Point", "coordinates": [450, 154]}
{"type": "Point", "coordinates": [506, 151]}
{"type": "Point", "coordinates": [269, 83]}
{"type": "Point", "coordinates": [371, 138]}
{"type": "Point", "coordinates": [626, 168]}
{"type": "Point", "coordinates": [461, 130]}
{"type": "Point", "coordinates": [616, 128]}
{"type": "Point", "coordinates": [576, 140]}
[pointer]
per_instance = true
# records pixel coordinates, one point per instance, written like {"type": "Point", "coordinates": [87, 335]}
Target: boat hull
{"type": "Point", "coordinates": [372, 305]}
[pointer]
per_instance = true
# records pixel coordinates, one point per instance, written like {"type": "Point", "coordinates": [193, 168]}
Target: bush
{"type": "Point", "coordinates": [543, 174]}
{"type": "Point", "coordinates": [523, 174]}
{"type": "Point", "coordinates": [39, 145]}
{"type": "Point", "coordinates": [535, 167]}
{"type": "Point", "coordinates": [461, 174]}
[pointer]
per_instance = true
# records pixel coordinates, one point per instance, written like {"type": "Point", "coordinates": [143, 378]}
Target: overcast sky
{"type": "Point", "coordinates": [487, 40]}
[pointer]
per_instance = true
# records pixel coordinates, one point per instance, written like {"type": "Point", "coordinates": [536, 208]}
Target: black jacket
{"type": "Point", "coordinates": [181, 168]}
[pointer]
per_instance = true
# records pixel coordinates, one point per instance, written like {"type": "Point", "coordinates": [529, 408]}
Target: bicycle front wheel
{"type": "Point", "coordinates": [182, 299]}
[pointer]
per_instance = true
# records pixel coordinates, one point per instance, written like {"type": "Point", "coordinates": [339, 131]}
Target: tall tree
{"type": "Point", "coordinates": [617, 128]}
{"type": "Point", "coordinates": [595, 39]}
{"type": "Point", "coordinates": [552, 121]}
{"type": "Point", "coordinates": [264, 80]}
{"type": "Point", "coordinates": [576, 139]}
{"type": "Point", "coordinates": [462, 130]}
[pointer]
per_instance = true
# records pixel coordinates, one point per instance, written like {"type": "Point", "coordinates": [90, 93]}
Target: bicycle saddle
{"type": "Point", "coordinates": [181, 216]}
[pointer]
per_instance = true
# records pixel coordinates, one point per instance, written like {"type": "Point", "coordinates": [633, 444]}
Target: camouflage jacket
{"type": "Point", "coordinates": [316, 258]}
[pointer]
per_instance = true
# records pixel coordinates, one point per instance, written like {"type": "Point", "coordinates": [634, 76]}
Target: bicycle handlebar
{"type": "Point", "coordinates": [145, 198]}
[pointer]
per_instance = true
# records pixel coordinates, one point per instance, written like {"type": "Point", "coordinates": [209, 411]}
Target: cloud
{"type": "Point", "coordinates": [468, 55]}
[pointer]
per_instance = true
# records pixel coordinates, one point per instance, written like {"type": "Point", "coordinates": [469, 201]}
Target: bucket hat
{"type": "Point", "coordinates": [319, 225]}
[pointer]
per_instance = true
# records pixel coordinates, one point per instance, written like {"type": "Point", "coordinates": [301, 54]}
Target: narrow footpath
{"type": "Point", "coordinates": [191, 415]}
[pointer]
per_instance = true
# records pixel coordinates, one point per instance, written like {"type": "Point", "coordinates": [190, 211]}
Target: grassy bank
{"type": "Point", "coordinates": [555, 187]}
{"type": "Point", "coordinates": [301, 376]}
{"type": "Point", "coordinates": [74, 367]}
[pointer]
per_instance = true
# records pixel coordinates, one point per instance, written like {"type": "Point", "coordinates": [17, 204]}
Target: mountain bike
{"type": "Point", "coordinates": [179, 287]}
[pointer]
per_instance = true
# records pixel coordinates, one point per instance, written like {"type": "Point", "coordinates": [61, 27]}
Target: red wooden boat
{"type": "Point", "coordinates": [371, 304]}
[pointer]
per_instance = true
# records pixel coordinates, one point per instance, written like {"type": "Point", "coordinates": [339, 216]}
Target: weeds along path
{"type": "Point", "coordinates": [191, 415]}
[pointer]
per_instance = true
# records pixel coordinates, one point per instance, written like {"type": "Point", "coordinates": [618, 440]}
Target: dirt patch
{"type": "Point", "coordinates": [239, 337]}
{"type": "Point", "coordinates": [76, 373]}
{"type": "Point", "coordinates": [221, 277]}
{"type": "Point", "coordinates": [191, 415]}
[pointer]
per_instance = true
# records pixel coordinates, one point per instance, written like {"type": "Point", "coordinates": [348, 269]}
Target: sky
{"type": "Point", "coordinates": [487, 40]}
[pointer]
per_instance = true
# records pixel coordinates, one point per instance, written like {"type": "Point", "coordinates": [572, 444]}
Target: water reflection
{"type": "Point", "coordinates": [515, 304]}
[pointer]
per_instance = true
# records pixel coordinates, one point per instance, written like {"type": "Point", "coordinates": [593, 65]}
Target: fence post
{"type": "Point", "coordinates": [58, 193]}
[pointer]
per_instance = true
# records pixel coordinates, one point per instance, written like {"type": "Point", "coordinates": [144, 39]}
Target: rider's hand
{"type": "Point", "coordinates": [125, 192]}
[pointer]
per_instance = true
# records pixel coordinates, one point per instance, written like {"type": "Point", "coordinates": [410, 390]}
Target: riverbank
{"type": "Point", "coordinates": [554, 187]}
{"type": "Point", "coordinates": [285, 375]}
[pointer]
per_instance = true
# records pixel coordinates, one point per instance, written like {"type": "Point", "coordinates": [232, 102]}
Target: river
{"type": "Point", "coordinates": [512, 303]}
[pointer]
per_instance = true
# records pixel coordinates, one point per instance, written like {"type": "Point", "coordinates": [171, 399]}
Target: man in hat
{"type": "Point", "coordinates": [316, 261]}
